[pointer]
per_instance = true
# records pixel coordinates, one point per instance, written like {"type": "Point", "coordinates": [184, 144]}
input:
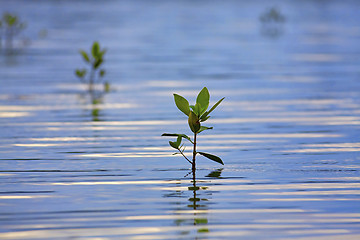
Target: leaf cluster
{"type": "Point", "coordinates": [12, 21]}
{"type": "Point", "coordinates": [95, 58]}
{"type": "Point", "coordinates": [196, 114]}
{"type": "Point", "coordinates": [11, 25]}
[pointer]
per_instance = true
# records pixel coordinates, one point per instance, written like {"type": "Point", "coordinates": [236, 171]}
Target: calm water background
{"type": "Point", "coordinates": [288, 130]}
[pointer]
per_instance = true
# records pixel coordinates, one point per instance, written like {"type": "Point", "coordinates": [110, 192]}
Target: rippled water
{"type": "Point", "coordinates": [288, 130]}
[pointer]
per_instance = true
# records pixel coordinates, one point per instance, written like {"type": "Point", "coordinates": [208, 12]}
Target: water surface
{"type": "Point", "coordinates": [288, 129]}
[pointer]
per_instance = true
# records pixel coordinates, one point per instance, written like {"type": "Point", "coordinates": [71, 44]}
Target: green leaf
{"type": "Point", "coordinates": [216, 104]}
{"type": "Point", "coordinates": [178, 141]}
{"type": "Point", "coordinates": [201, 221]}
{"type": "Point", "coordinates": [173, 144]}
{"type": "Point", "coordinates": [95, 49]}
{"type": "Point", "coordinates": [212, 157]}
{"type": "Point", "coordinates": [203, 99]}
{"type": "Point", "coordinates": [182, 104]}
{"type": "Point", "coordinates": [176, 135]}
{"type": "Point", "coordinates": [80, 72]}
{"type": "Point", "coordinates": [102, 72]}
{"type": "Point", "coordinates": [84, 55]}
{"type": "Point", "coordinates": [176, 144]}
{"type": "Point", "coordinates": [194, 122]}
{"type": "Point", "coordinates": [101, 54]}
{"type": "Point", "coordinates": [202, 128]}
{"type": "Point", "coordinates": [197, 109]}
{"type": "Point", "coordinates": [106, 87]}
{"type": "Point", "coordinates": [204, 117]}
{"type": "Point", "coordinates": [97, 63]}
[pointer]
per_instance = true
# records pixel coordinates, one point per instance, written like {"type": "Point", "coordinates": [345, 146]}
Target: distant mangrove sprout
{"type": "Point", "coordinates": [93, 75]}
{"type": "Point", "coordinates": [272, 22]}
{"type": "Point", "coordinates": [10, 26]}
{"type": "Point", "coordinates": [95, 59]}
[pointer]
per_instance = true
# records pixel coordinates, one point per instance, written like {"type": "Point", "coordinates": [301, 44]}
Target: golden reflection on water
{"type": "Point", "coordinates": [113, 183]}
{"type": "Point", "coordinates": [13, 197]}
{"type": "Point", "coordinates": [14, 114]}
{"type": "Point", "coordinates": [321, 150]}
{"type": "Point", "coordinates": [255, 187]}
{"type": "Point", "coordinates": [127, 155]}
{"type": "Point", "coordinates": [17, 108]}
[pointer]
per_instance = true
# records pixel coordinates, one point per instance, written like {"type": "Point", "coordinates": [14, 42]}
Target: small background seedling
{"type": "Point", "coordinates": [10, 26]}
{"type": "Point", "coordinates": [272, 21]}
{"type": "Point", "coordinates": [196, 114]}
{"type": "Point", "coordinates": [95, 60]}
{"type": "Point", "coordinates": [93, 75]}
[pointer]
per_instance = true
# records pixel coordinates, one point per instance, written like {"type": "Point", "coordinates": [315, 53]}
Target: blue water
{"type": "Point", "coordinates": [288, 129]}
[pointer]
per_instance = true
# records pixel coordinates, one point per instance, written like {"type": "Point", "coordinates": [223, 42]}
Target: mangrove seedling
{"type": "Point", "coordinates": [10, 26]}
{"type": "Point", "coordinates": [196, 114]}
{"type": "Point", "coordinates": [94, 59]}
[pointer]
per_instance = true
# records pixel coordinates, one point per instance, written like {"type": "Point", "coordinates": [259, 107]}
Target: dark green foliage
{"type": "Point", "coordinates": [196, 114]}
{"type": "Point", "coordinates": [212, 157]}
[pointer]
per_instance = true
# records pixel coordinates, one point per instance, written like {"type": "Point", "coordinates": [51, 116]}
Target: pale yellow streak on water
{"type": "Point", "coordinates": [302, 186]}
{"type": "Point", "coordinates": [311, 219]}
{"type": "Point", "coordinates": [49, 234]}
{"type": "Point", "coordinates": [202, 147]}
{"type": "Point", "coordinates": [23, 196]}
{"type": "Point", "coordinates": [112, 183]}
{"type": "Point", "coordinates": [40, 145]}
{"type": "Point", "coordinates": [14, 114]}
{"type": "Point", "coordinates": [275, 135]}
{"type": "Point", "coordinates": [337, 145]}
{"type": "Point", "coordinates": [257, 210]}
{"type": "Point", "coordinates": [304, 199]}
{"type": "Point", "coordinates": [17, 108]}
{"type": "Point", "coordinates": [337, 192]}
{"type": "Point", "coordinates": [321, 150]}
{"type": "Point", "coordinates": [127, 155]}
{"type": "Point", "coordinates": [6, 174]}
{"type": "Point", "coordinates": [328, 237]}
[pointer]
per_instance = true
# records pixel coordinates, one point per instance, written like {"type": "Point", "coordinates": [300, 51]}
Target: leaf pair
{"type": "Point", "coordinates": [196, 113]}
{"type": "Point", "coordinates": [176, 144]}
{"type": "Point", "coordinates": [80, 72]}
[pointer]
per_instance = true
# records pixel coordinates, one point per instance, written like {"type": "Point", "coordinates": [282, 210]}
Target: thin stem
{"type": "Point", "coordinates": [194, 192]}
{"type": "Point", "coordinates": [91, 80]}
{"type": "Point", "coordinates": [194, 155]}
{"type": "Point", "coordinates": [184, 156]}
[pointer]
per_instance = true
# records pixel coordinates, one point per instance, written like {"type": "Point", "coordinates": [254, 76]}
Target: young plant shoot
{"type": "Point", "coordinates": [95, 59]}
{"type": "Point", "coordinates": [196, 114]}
{"type": "Point", "coordinates": [12, 26]}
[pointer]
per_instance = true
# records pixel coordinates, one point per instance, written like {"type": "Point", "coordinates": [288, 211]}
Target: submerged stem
{"type": "Point", "coordinates": [91, 80]}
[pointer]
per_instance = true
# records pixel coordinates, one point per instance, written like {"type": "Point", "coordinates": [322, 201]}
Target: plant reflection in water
{"type": "Point", "coordinates": [272, 23]}
{"type": "Point", "coordinates": [197, 200]}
